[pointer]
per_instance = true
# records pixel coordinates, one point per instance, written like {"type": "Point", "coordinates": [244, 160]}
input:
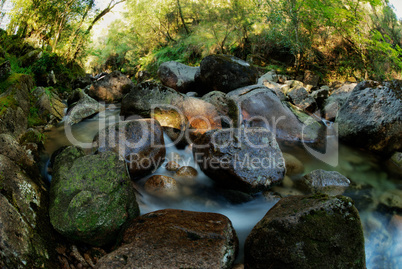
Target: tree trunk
{"type": "Point", "coordinates": [181, 17]}
{"type": "Point", "coordinates": [80, 43]}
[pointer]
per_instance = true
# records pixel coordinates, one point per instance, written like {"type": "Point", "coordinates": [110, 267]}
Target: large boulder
{"type": "Point", "coordinates": [261, 107]}
{"type": "Point", "coordinates": [301, 98]}
{"type": "Point", "coordinates": [371, 117]}
{"type": "Point", "coordinates": [139, 143]}
{"type": "Point", "coordinates": [225, 73]}
{"type": "Point", "coordinates": [91, 197]}
{"type": "Point", "coordinates": [110, 88]}
{"type": "Point", "coordinates": [177, 76]}
{"type": "Point", "coordinates": [336, 100]}
{"type": "Point", "coordinates": [226, 107]}
{"type": "Point", "coordinates": [328, 182]}
{"type": "Point", "coordinates": [170, 108]}
{"type": "Point", "coordinates": [49, 102]}
{"type": "Point", "coordinates": [247, 159]}
{"type": "Point", "coordinates": [15, 105]}
{"type": "Point", "coordinates": [26, 236]}
{"type": "Point", "coordinates": [316, 231]}
{"type": "Point", "coordinates": [175, 239]}
{"type": "Point", "coordinates": [82, 106]}
{"type": "Point", "coordinates": [12, 149]}
{"type": "Point", "coordinates": [145, 96]}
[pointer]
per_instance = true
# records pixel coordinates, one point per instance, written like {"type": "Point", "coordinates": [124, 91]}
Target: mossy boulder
{"type": "Point", "coordinates": [175, 239]}
{"type": "Point", "coordinates": [48, 102]}
{"type": "Point", "coordinates": [26, 236]}
{"type": "Point", "coordinates": [315, 231]}
{"type": "Point", "coordinates": [91, 197]}
{"type": "Point", "coordinates": [15, 104]}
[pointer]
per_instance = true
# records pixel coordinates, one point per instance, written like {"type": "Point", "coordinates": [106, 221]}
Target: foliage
{"type": "Point", "coordinates": [57, 26]}
{"type": "Point", "coordinates": [343, 38]}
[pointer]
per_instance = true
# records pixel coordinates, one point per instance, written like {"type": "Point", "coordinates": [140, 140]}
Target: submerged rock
{"type": "Point", "coordinates": [246, 159]}
{"type": "Point", "coordinates": [110, 88]}
{"type": "Point", "coordinates": [328, 182]}
{"type": "Point", "coordinates": [91, 197]}
{"type": "Point", "coordinates": [372, 117]}
{"type": "Point", "coordinates": [316, 231]}
{"type": "Point", "coordinates": [293, 165]}
{"type": "Point", "coordinates": [226, 73]}
{"type": "Point", "coordinates": [183, 239]}
{"type": "Point", "coordinates": [177, 76]}
{"type": "Point", "coordinates": [139, 142]}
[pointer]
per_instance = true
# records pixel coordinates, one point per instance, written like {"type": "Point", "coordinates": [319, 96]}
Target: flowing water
{"type": "Point", "coordinates": [372, 182]}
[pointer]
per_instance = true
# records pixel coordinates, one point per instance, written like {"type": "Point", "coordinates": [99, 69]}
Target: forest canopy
{"type": "Point", "coordinates": [358, 39]}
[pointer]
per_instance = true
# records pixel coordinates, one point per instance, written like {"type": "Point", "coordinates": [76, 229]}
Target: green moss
{"type": "Point", "coordinates": [6, 102]}
{"type": "Point", "coordinates": [11, 80]}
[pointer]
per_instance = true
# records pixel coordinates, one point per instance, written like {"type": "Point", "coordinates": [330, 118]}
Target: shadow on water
{"type": "Point", "coordinates": [374, 189]}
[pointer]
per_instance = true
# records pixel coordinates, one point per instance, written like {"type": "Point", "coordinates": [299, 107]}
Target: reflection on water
{"type": "Point", "coordinates": [376, 192]}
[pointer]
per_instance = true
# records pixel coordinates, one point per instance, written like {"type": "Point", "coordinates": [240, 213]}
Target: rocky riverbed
{"type": "Point", "coordinates": [247, 174]}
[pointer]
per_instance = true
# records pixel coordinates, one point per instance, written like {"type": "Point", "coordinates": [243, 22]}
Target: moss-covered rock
{"type": "Point", "coordinates": [316, 231]}
{"type": "Point", "coordinates": [91, 197]}
{"type": "Point", "coordinates": [48, 102]}
{"type": "Point", "coordinates": [15, 104]}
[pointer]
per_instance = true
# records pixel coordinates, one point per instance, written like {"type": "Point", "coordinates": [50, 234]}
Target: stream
{"type": "Point", "coordinates": [373, 181]}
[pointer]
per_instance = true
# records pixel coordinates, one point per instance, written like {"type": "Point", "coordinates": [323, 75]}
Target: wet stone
{"type": "Point", "coordinates": [172, 166]}
{"type": "Point", "coordinates": [187, 172]}
{"type": "Point", "coordinates": [183, 239]}
{"type": "Point", "coordinates": [160, 185]}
